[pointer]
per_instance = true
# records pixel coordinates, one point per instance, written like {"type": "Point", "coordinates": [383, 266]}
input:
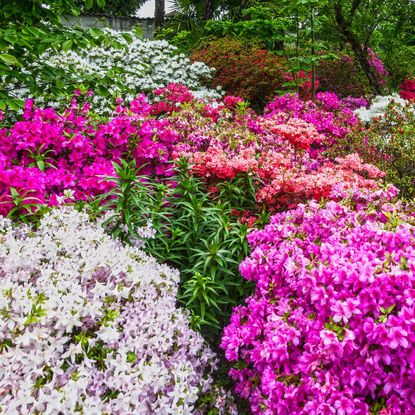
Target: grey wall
{"type": "Point", "coordinates": [116, 23]}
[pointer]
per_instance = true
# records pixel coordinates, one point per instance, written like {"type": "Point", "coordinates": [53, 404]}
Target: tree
{"type": "Point", "coordinates": [159, 14]}
{"type": "Point", "coordinates": [357, 21]}
{"type": "Point", "coordinates": [207, 10]}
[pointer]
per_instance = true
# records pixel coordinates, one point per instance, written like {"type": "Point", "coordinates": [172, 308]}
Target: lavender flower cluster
{"type": "Point", "coordinates": [331, 327]}
{"type": "Point", "coordinates": [91, 326]}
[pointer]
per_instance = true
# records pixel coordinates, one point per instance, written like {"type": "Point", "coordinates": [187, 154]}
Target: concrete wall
{"type": "Point", "coordinates": [116, 23]}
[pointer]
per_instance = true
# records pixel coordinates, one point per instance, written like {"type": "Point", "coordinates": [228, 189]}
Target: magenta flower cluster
{"type": "Point", "coordinates": [47, 152]}
{"type": "Point", "coordinates": [331, 326]}
{"type": "Point", "coordinates": [330, 115]}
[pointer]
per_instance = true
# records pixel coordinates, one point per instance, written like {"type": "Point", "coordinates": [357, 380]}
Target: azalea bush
{"type": "Point", "coordinates": [330, 328]}
{"type": "Point", "coordinates": [407, 89]}
{"type": "Point", "coordinates": [243, 70]}
{"type": "Point", "coordinates": [48, 152]}
{"type": "Point", "coordinates": [387, 141]}
{"type": "Point", "coordinates": [121, 66]}
{"type": "Point", "coordinates": [378, 107]}
{"type": "Point", "coordinates": [90, 325]}
{"type": "Point", "coordinates": [330, 115]}
{"type": "Point", "coordinates": [282, 151]}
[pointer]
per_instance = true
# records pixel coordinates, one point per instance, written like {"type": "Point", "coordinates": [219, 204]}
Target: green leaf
{"type": "Point", "coordinates": [89, 4]}
{"type": "Point", "coordinates": [59, 83]}
{"type": "Point", "coordinates": [10, 59]}
{"type": "Point", "coordinates": [94, 32]}
{"type": "Point", "coordinates": [67, 45]}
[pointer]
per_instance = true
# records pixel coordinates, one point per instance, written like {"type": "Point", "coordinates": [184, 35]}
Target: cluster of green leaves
{"type": "Point", "coordinates": [113, 7]}
{"type": "Point", "coordinates": [29, 28]}
{"type": "Point", "coordinates": [195, 232]}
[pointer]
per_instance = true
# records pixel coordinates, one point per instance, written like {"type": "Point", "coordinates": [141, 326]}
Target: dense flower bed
{"type": "Point", "coordinates": [85, 331]}
{"type": "Point", "coordinates": [49, 152]}
{"type": "Point", "coordinates": [331, 326]}
{"type": "Point", "coordinates": [282, 151]}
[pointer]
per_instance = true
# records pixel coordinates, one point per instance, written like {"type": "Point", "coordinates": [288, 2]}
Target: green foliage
{"type": "Point", "coordinates": [259, 25]}
{"type": "Point", "coordinates": [184, 40]}
{"type": "Point", "coordinates": [32, 12]}
{"type": "Point", "coordinates": [113, 7]}
{"type": "Point", "coordinates": [29, 28]}
{"type": "Point", "coordinates": [22, 45]}
{"type": "Point", "coordinates": [387, 142]}
{"type": "Point", "coordinates": [195, 231]}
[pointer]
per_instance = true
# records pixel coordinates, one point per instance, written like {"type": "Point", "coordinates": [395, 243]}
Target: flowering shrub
{"type": "Point", "coordinates": [378, 107]}
{"type": "Point", "coordinates": [329, 114]}
{"type": "Point", "coordinates": [278, 150]}
{"type": "Point", "coordinates": [135, 66]}
{"type": "Point", "coordinates": [345, 77]}
{"type": "Point", "coordinates": [85, 331]}
{"type": "Point", "coordinates": [48, 152]}
{"type": "Point", "coordinates": [387, 141]}
{"type": "Point", "coordinates": [407, 89]}
{"type": "Point", "coordinates": [331, 326]}
{"type": "Point", "coordinates": [243, 70]}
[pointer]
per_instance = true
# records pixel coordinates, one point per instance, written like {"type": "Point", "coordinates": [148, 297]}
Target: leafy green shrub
{"type": "Point", "coordinates": [190, 228]}
{"type": "Point", "coordinates": [242, 69]}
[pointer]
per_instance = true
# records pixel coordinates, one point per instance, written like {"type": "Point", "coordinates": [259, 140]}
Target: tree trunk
{"type": "Point", "coordinates": [207, 10]}
{"type": "Point", "coordinates": [313, 53]}
{"type": "Point", "coordinates": [359, 51]}
{"type": "Point", "coordinates": [159, 13]}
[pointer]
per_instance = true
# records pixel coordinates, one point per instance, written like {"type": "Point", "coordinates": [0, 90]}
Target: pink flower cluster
{"type": "Point", "coordinates": [329, 114]}
{"type": "Point", "coordinates": [379, 69]}
{"type": "Point", "coordinates": [47, 152]}
{"type": "Point", "coordinates": [280, 151]}
{"type": "Point", "coordinates": [407, 89]}
{"type": "Point", "coordinates": [331, 326]}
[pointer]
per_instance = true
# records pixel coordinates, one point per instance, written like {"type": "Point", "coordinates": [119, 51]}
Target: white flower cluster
{"type": "Point", "coordinates": [378, 107]}
{"type": "Point", "coordinates": [138, 66]}
{"type": "Point", "coordinates": [91, 326]}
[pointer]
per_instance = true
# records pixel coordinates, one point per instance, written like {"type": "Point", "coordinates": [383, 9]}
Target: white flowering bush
{"type": "Point", "coordinates": [378, 107]}
{"type": "Point", "coordinates": [121, 67]}
{"type": "Point", "coordinates": [90, 326]}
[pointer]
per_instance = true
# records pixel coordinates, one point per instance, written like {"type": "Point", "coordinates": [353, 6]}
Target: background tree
{"type": "Point", "coordinates": [159, 13]}
{"type": "Point", "coordinates": [358, 22]}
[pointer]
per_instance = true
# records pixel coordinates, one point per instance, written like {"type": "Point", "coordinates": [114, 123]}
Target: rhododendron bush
{"type": "Point", "coordinates": [48, 152]}
{"type": "Point", "coordinates": [330, 328]}
{"type": "Point", "coordinates": [282, 150]}
{"type": "Point", "coordinates": [89, 325]}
